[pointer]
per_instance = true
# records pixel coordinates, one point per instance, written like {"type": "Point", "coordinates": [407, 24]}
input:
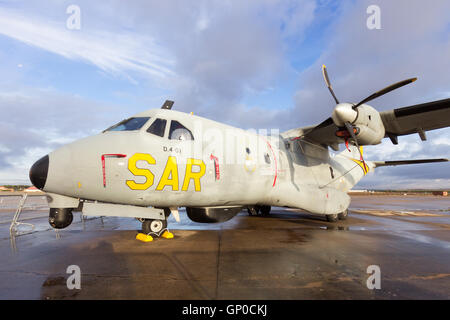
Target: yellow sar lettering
{"type": "Point", "coordinates": [193, 175]}
{"type": "Point", "coordinates": [140, 172]}
{"type": "Point", "coordinates": [171, 169]}
{"type": "Point", "coordinates": [169, 176]}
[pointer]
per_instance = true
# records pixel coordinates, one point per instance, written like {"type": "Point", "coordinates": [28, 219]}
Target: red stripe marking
{"type": "Point", "coordinates": [276, 167]}
{"type": "Point", "coordinates": [216, 165]}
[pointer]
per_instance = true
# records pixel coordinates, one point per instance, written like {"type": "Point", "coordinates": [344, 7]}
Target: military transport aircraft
{"type": "Point", "coordinates": [149, 165]}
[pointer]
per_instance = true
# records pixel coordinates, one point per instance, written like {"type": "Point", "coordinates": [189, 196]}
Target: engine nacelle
{"type": "Point", "coordinates": [369, 125]}
{"type": "Point", "coordinates": [212, 214]}
{"type": "Point", "coordinates": [60, 218]}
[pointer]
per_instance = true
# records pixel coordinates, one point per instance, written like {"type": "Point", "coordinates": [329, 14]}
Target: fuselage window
{"type": "Point", "coordinates": [129, 124]}
{"type": "Point", "coordinates": [179, 132]}
{"type": "Point", "coordinates": [158, 127]}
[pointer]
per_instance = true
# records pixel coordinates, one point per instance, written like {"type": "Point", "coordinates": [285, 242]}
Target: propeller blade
{"type": "Point", "coordinates": [385, 90]}
{"type": "Point", "coordinates": [350, 130]}
{"type": "Point", "coordinates": [328, 83]}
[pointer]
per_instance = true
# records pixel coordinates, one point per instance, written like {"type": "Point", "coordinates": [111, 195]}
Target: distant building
{"type": "Point", "coordinates": [32, 189]}
{"type": "Point", "coordinates": [3, 188]}
{"type": "Point", "coordinates": [440, 193]}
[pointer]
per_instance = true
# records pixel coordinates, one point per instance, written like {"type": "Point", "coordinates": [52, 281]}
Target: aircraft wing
{"type": "Point", "coordinates": [402, 121]}
{"type": "Point", "coordinates": [416, 119]}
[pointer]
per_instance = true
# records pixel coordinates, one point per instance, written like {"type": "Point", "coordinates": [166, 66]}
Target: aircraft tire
{"type": "Point", "coordinates": [153, 226]}
{"type": "Point", "coordinates": [253, 210]}
{"type": "Point", "coordinates": [343, 215]}
{"type": "Point", "coordinates": [332, 217]}
{"type": "Point", "coordinates": [265, 210]}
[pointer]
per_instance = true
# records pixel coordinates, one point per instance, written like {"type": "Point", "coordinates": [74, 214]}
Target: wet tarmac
{"type": "Point", "coordinates": [287, 255]}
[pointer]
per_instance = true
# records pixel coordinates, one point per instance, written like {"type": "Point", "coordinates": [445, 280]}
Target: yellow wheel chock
{"type": "Point", "coordinates": [167, 234]}
{"type": "Point", "coordinates": [148, 238]}
{"type": "Point", "coordinates": [144, 237]}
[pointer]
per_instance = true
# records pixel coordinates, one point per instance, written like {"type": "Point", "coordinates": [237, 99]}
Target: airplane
{"type": "Point", "coordinates": [149, 165]}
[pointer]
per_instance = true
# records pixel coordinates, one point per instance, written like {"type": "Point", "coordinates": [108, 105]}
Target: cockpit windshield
{"type": "Point", "coordinates": [129, 124]}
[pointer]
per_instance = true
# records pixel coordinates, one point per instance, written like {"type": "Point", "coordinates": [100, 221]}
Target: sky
{"type": "Point", "coordinates": [250, 64]}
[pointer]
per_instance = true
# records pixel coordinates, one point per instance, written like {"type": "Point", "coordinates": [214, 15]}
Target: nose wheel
{"type": "Point", "coordinates": [155, 227]}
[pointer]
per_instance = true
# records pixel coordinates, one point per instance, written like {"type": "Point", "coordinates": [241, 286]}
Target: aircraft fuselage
{"type": "Point", "coordinates": [221, 166]}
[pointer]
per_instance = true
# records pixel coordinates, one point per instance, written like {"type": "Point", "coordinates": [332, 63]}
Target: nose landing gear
{"type": "Point", "coordinates": [156, 226]}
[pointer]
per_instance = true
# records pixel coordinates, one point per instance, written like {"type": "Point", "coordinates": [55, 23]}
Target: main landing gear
{"type": "Point", "coordinates": [339, 216]}
{"type": "Point", "coordinates": [258, 210]}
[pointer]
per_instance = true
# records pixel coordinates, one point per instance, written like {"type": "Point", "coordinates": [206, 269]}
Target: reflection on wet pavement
{"type": "Point", "coordinates": [287, 255]}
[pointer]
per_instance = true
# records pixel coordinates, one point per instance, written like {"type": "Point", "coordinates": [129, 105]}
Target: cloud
{"type": "Point", "coordinates": [412, 42]}
{"type": "Point", "coordinates": [115, 53]}
{"type": "Point", "coordinates": [207, 54]}
{"type": "Point", "coordinates": [37, 121]}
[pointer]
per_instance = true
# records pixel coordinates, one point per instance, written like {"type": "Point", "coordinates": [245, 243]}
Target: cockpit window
{"type": "Point", "coordinates": [129, 124]}
{"type": "Point", "coordinates": [179, 132]}
{"type": "Point", "coordinates": [158, 127]}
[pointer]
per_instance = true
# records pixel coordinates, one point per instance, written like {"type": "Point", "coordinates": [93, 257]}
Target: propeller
{"type": "Point", "coordinates": [372, 96]}
{"type": "Point", "coordinates": [327, 81]}
{"type": "Point", "coordinates": [344, 114]}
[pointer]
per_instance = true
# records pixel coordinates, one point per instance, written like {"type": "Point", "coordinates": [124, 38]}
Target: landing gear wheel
{"type": "Point", "coordinates": [332, 217]}
{"type": "Point", "coordinates": [343, 215]}
{"type": "Point", "coordinates": [252, 210]}
{"type": "Point", "coordinates": [265, 210]}
{"type": "Point", "coordinates": [153, 226]}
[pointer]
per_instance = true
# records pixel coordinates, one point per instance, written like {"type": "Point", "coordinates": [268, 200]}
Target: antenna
{"type": "Point", "coordinates": [167, 105]}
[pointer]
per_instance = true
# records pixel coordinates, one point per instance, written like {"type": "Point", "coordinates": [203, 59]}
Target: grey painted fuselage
{"type": "Point", "coordinates": [239, 168]}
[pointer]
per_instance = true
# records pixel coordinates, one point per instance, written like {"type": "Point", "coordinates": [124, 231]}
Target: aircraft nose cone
{"type": "Point", "coordinates": [38, 172]}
